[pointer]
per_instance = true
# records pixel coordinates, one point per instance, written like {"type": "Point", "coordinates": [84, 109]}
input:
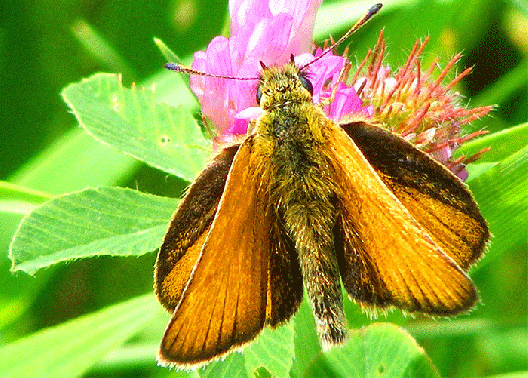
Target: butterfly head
{"type": "Point", "coordinates": [283, 85]}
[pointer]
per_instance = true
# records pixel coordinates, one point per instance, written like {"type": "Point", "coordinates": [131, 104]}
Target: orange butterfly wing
{"type": "Point", "coordinates": [386, 256]}
{"type": "Point", "coordinates": [230, 297]}
{"type": "Point", "coordinates": [428, 190]}
{"type": "Point", "coordinates": [189, 228]}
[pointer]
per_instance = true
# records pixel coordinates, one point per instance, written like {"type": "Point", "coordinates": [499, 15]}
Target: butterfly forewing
{"type": "Point", "coordinates": [387, 257]}
{"type": "Point", "coordinates": [225, 302]}
{"type": "Point", "coordinates": [189, 228]}
{"type": "Point", "coordinates": [431, 193]}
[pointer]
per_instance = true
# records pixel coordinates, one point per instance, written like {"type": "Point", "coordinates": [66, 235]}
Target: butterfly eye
{"type": "Point", "coordinates": [259, 95]}
{"type": "Point", "coordinates": [306, 83]}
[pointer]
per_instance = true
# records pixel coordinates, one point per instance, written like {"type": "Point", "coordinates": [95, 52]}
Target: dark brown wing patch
{"type": "Point", "coordinates": [389, 258]}
{"type": "Point", "coordinates": [286, 283]}
{"type": "Point", "coordinates": [225, 302]}
{"type": "Point", "coordinates": [188, 228]}
{"type": "Point", "coordinates": [430, 192]}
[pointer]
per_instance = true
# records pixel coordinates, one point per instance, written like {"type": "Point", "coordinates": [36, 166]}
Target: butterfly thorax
{"type": "Point", "coordinates": [290, 133]}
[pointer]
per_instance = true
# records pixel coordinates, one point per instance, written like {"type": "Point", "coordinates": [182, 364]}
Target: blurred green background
{"type": "Point", "coordinates": [45, 45]}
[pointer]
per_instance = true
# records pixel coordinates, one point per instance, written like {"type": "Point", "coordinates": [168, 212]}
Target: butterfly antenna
{"type": "Point", "coordinates": [191, 71]}
{"type": "Point", "coordinates": [372, 11]}
{"type": "Point", "coordinates": [362, 21]}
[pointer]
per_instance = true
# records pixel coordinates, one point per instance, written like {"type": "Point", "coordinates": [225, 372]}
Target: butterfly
{"type": "Point", "coordinates": [302, 200]}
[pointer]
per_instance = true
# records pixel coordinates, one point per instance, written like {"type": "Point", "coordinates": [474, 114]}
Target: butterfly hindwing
{"type": "Point", "coordinates": [286, 283]}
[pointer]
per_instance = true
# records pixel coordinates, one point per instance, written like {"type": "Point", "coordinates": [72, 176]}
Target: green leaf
{"type": "Point", "coordinates": [16, 199]}
{"type": "Point", "coordinates": [503, 144]}
{"type": "Point", "coordinates": [307, 346]}
{"type": "Point", "coordinates": [273, 350]}
{"type": "Point", "coordinates": [169, 55]}
{"type": "Point", "coordinates": [451, 327]}
{"type": "Point", "coordinates": [100, 48]}
{"type": "Point", "coordinates": [381, 349]}
{"type": "Point", "coordinates": [476, 169]}
{"type": "Point", "coordinates": [68, 350]}
{"type": "Point", "coordinates": [173, 89]}
{"type": "Point", "coordinates": [15, 202]}
{"type": "Point", "coordinates": [137, 355]}
{"type": "Point", "coordinates": [232, 367]}
{"type": "Point", "coordinates": [92, 222]}
{"type": "Point", "coordinates": [74, 162]}
{"type": "Point", "coordinates": [133, 122]}
{"type": "Point", "coordinates": [506, 346]}
{"type": "Point", "coordinates": [520, 374]}
{"type": "Point", "coordinates": [501, 193]}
